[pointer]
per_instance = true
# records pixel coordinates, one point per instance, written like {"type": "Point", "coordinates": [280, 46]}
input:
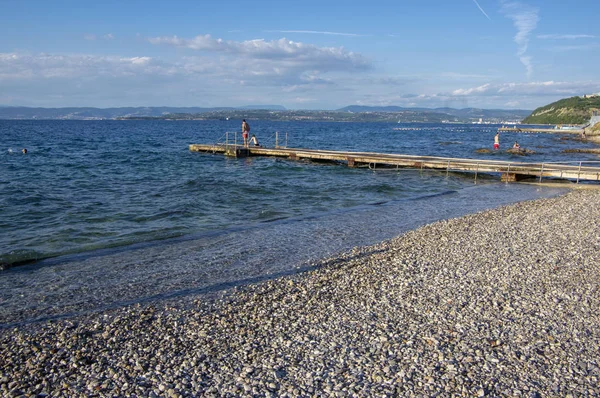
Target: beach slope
{"type": "Point", "coordinates": [499, 303]}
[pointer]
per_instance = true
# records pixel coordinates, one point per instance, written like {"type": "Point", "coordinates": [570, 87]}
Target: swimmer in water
{"type": "Point", "coordinates": [24, 150]}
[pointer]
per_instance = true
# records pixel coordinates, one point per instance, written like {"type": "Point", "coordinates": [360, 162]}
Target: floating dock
{"type": "Point", "coordinates": [509, 171]}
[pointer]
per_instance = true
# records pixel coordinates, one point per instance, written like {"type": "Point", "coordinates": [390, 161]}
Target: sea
{"type": "Point", "coordinates": [105, 213]}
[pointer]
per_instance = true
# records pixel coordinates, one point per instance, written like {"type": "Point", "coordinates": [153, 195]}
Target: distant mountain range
{"type": "Point", "coordinates": [21, 112]}
{"type": "Point", "coordinates": [271, 112]}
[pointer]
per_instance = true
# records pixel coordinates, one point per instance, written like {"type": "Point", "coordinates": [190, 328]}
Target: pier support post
{"type": "Point", "coordinates": [512, 177]}
{"type": "Point", "coordinates": [236, 152]}
{"type": "Point", "coordinates": [508, 177]}
{"type": "Point", "coordinates": [350, 161]}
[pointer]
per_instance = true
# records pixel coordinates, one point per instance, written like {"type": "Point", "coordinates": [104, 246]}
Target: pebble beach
{"type": "Point", "coordinates": [501, 303]}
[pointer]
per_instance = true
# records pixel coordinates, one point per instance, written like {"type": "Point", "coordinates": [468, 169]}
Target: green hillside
{"type": "Point", "coordinates": [574, 110]}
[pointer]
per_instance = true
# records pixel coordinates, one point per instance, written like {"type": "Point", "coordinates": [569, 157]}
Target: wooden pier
{"type": "Point", "coordinates": [509, 171]}
{"type": "Point", "coordinates": [539, 130]}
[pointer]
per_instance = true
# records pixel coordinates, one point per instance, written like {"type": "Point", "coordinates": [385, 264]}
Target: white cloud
{"type": "Point", "coordinates": [316, 32]}
{"type": "Point", "coordinates": [526, 60]}
{"type": "Point", "coordinates": [143, 80]}
{"type": "Point", "coordinates": [47, 66]}
{"type": "Point", "coordinates": [137, 60]}
{"type": "Point", "coordinates": [512, 104]}
{"type": "Point", "coordinates": [547, 88]}
{"type": "Point", "coordinates": [564, 37]}
{"type": "Point", "coordinates": [528, 95]}
{"type": "Point", "coordinates": [582, 47]}
{"type": "Point", "coordinates": [463, 76]}
{"type": "Point", "coordinates": [91, 37]}
{"type": "Point", "coordinates": [389, 81]}
{"type": "Point", "coordinates": [283, 51]}
{"type": "Point", "coordinates": [471, 91]}
{"type": "Point", "coordinates": [525, 19]}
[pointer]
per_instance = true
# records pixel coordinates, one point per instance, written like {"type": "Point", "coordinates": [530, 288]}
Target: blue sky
{"type": "Point", "coordinates": [299, 54]}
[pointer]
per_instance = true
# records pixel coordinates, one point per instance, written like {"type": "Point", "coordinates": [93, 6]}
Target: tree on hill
{"type": "Point", "coordinates": [574, 110]}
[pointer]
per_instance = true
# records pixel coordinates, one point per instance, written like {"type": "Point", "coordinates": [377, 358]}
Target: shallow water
{"type": "Point", "coordinates": [123, 212]}
{"type": "Point", "coordinates": [210, 262]}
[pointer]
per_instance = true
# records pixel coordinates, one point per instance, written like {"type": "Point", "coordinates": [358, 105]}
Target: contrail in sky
{"type": "Point", "coordinates": [481, 9]}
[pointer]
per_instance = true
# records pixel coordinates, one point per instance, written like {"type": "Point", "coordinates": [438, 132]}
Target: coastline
{"type": "Point", "coordinates": [501, 303]}
{"type": "Point", "coordinates": [206, 264]}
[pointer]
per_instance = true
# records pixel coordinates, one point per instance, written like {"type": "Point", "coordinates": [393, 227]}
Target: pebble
{"type": "Point", "coordinates": [498, 303]}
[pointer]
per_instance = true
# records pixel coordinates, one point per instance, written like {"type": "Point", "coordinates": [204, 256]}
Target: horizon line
{"type": "Point", "coordinates": [257, 107]}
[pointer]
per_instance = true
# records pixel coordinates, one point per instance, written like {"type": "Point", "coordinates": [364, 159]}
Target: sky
{"type": "Point", "coordinates": [495, 54]}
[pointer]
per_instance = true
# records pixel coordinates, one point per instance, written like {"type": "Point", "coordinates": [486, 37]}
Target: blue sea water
{"type": "Point", "coordinates": [104, 213]}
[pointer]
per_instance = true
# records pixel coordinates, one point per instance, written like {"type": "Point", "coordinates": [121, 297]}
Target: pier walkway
{"type": "Point", "coordinates": [509, 171]}
{"type": "Point", "coordinates": [539, 130]}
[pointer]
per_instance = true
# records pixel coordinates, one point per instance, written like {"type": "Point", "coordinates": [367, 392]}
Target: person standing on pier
{"type": "Point", "coordinates": [245, 131]}
{"type": "Point", "coordinates": [497, 141]}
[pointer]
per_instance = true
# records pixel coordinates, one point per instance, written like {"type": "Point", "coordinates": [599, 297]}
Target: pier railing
{"type": "Point", "coordinates": [509, 171]}
{"type": "Point", "coordinates": [230, 140]}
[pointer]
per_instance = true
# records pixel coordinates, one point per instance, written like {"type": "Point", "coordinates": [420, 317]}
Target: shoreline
{"type": "Point", "coordinates": [501, 302]}
{"type": "Point", "coordinates": [208, 264]}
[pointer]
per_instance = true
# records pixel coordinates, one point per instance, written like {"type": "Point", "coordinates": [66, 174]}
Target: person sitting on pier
{"type": "Point", "coordinates": [516, 146]}
{"type": "Point", "coordinates": [254, 140]}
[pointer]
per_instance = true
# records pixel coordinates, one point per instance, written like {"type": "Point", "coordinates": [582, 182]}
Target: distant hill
{"type": "Point", "coordinates": [466, 113]}
{"type": "Point", "coordinates": [574, 110]}
{"type": "Point", "coordinates": [391, 114]}
{"type": "Point", "coordinates": [83, 113]}
{"type": "Point", "coordinates": [364, 108]}
{"type": "Point", "coordinates": [408, 116]}
{"type": "Point", "coordinates": [270, 112]}
{"type": "Point", "coordinates": [265, 107]}
{"type": "Point", "coordinates": [21, 112]}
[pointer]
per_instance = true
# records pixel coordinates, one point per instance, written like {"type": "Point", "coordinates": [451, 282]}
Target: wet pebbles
{"type": "Point", "coordinates": [499, 303]}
